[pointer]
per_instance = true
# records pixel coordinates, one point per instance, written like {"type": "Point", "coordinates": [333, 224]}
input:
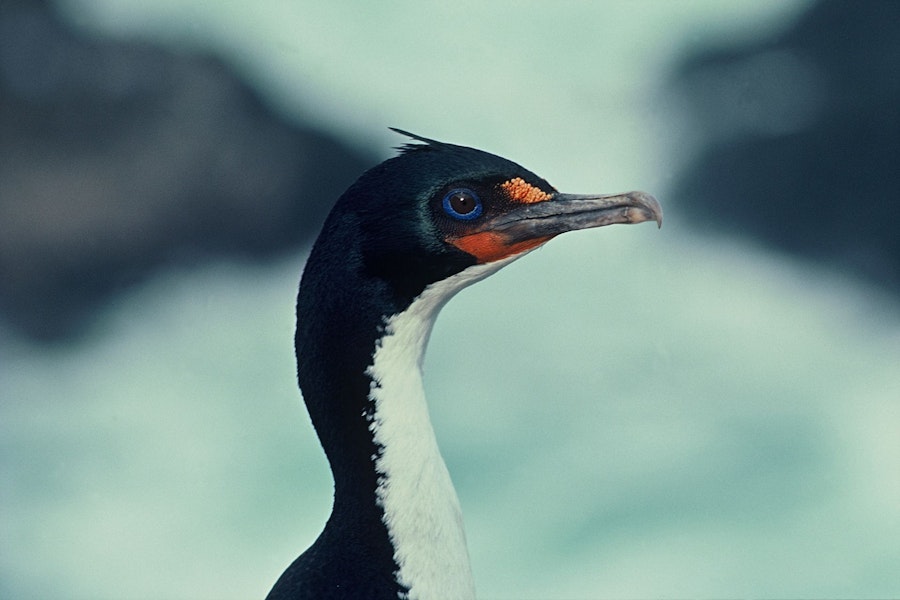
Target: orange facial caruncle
{"type": "Point", "coordinates": [523, 192]}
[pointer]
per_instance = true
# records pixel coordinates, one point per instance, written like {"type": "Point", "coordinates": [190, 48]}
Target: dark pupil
{"type": "Point", "coordinates": [462, 203]}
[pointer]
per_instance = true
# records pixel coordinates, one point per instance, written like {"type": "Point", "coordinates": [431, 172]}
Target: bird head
{"type": "Point", "coordinates": [437, 209]}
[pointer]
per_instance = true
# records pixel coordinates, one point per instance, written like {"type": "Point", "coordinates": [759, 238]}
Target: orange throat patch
{"type": "Point", "coordinates": [488, 246]}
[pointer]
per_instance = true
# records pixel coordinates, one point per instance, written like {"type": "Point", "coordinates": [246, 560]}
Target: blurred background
{"type": "Point", "coordinates": [709, 410]}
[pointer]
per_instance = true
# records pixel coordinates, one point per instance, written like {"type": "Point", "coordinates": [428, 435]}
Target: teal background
{"type": "Point", "coordinates": [625, 412]}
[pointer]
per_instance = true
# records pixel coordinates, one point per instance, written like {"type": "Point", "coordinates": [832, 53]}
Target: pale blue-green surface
{"type": "Point", "coordinates": [626, 412]}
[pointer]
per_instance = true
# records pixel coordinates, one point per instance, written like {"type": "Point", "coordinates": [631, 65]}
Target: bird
{"type": "Point", "coordinates": [397, 245]}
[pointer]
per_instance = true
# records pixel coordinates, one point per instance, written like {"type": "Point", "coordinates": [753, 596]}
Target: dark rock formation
{"type": "Point", "coordinates": [803, 134]}
{"type": "Point", "coordinates": [117, 158]}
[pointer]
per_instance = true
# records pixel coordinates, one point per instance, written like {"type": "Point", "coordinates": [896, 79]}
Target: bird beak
{"type": "Point", "coordinates": [531, 224]}
{"type": "Point", "coordinates": [568, 212]}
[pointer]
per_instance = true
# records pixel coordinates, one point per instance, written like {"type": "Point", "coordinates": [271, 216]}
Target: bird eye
{"type": "Point", "coordinates": [462, 204]}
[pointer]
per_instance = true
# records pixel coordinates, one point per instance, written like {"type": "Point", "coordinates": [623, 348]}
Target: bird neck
{"type": "Point", "coordinates": [367, 403]}
{"type": "Point", "coordinates": [421, 510]}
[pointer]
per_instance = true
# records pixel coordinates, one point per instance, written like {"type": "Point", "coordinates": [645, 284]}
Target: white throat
{"type": "Point", "coordinates": [421, 509]}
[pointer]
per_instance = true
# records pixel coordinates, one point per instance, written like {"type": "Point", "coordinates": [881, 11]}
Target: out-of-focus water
{"type": "Point", "coordinates": [626, 412]}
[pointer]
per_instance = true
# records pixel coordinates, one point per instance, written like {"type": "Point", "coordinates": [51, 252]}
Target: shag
{"type": "Point", "coordinates": [399, 243]}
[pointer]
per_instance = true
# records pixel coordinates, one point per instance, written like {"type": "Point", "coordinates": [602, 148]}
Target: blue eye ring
{"type": "Point", "coordinates": [462, 204]}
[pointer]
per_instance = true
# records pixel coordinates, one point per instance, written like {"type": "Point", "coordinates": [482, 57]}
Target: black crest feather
{"type": "Point", "coordinates": [426, 143]}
